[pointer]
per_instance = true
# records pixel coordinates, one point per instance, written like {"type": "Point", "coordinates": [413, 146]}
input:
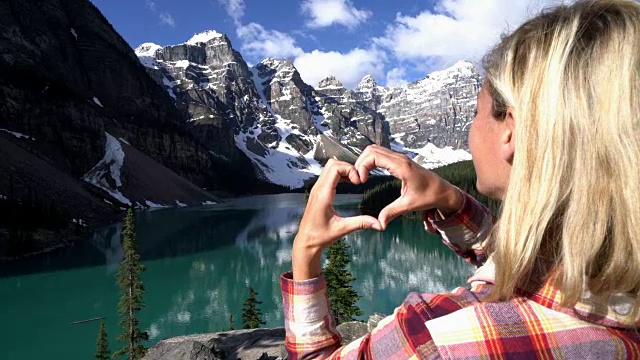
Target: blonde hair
{"type": "Point", "coordinates": [573, 200]}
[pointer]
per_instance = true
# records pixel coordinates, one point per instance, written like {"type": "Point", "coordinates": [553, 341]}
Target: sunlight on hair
{"type": "Point", "coordinates": [571, 77]}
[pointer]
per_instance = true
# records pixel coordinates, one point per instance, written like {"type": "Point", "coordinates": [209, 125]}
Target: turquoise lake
{"type": "Point", "coordinates": [200, 263]}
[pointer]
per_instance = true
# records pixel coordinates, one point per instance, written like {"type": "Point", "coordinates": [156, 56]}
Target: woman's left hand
{"type": "Point", "coordinates": [321, 225]}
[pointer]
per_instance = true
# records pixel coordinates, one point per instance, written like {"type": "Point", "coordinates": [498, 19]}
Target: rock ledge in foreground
{"type": "Point", "coordinates": [237, 344]}
{"type": "Point", "coordinates": [254, 344]}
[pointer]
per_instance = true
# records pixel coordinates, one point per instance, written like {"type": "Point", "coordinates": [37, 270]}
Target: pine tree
{"type": "Point", "coordinates": [231, 322]}
{"type": "Point", "coordinates": [251, 315]}
{"type": "Point", "coordinates": [342, 297]}
{"type": "Point", "coordinates": [102, 344]}
{"type": "Point", "coordinates": [131, 291]}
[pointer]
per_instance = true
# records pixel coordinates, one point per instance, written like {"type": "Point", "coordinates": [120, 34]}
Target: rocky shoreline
{"type": "Point", "coordinates": [253, 344]}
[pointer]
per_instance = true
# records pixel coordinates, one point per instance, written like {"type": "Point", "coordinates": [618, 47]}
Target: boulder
{"type": "Point", "coordinates": [352, 330]}
{"type": "Point", "coordinates": [374, 320]}
{"type": "Point", "coordinates": [250, 344]}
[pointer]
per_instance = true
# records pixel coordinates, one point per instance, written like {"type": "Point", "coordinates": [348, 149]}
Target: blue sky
{"type": "Point", "coordinates": [395, 41]}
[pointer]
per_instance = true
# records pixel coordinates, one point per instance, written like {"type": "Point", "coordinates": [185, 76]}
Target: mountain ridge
{"type": "Point", "coordinates": [436, 109]}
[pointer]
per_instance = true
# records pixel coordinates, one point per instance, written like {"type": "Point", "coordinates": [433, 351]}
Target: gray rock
{"type": "Point", "coordinates": [329, 148]}
{"type": "Point", "coordinates": [239, 344]}
{"type": "Point", "coordinates": [352, 330]}
{"type": "Point", "coordinates": [284, 355]}
{"type": "Point", "coordinates": [330, 82]}
{"type": "Point", "coordinates": [438, 108]}
{"type": "Point", "coordinates": [374, 320]}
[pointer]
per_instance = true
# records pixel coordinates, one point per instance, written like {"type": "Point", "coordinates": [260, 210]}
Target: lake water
{"type": "Point", "coordinates": [200, 263]}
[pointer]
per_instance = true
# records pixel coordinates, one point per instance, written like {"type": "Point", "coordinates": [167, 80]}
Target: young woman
{"type": "Point", "coordinates": [557, 138]}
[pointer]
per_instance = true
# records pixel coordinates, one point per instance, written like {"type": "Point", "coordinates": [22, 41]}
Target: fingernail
{"type": "Point", "coordinates": [375, 226]}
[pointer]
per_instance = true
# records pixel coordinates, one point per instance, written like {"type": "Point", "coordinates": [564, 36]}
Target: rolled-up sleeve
{"type": "Point", "coordinates": [311, 330]}
{"type": "Point", "coordinates": [466, 231]}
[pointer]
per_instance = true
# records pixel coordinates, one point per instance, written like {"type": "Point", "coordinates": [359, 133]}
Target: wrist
{"type": "Point", "coordinates": [452, 201]}
{"type": "Point", "coordinates": [305, 261]}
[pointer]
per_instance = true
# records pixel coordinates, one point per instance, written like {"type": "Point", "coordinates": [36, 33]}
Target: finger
{"type": "Point", "coordinates": [360, 159]}
{"type": "Point", "coordinates": [333, 172]}
{"type": "Point", "coordinates": [396, 208]}
{"type": "Point", "coordinates": [377, 157]}
{"type": "Point", "coordinates": [344, 226]}
{"type": "Point", "coordinates": [363, 160]}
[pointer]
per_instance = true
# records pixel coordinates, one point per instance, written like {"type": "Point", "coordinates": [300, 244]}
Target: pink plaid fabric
{"type": "Point", "coordinates": [459, 325]}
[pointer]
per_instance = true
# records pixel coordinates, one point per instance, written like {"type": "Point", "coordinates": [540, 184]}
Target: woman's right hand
{"type": "Point", "coordinates": [421, 188]}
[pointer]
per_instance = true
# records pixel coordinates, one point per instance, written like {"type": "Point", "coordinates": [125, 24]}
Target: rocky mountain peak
{"type": "Point", "coordinates": [208, 48]}
{"type": "Point", "coordinates": [147, 49]}
{"type": "Point", "coordinates": [146, 52]}
{"type": "Point", "coordinates": [329, 82]}
{"type": "Point", "coordinates": [206, 37]}
{"type": "Point", "coordinates": [276, 63]}
{"type": "Point", "coordinates": [367, 83]}
{"type": "Point", "coordinates": [460, 69]}
{"type": "Point", "coordinates": [278, 69]}
{"type": "Point", "coordinates": [436, 109]}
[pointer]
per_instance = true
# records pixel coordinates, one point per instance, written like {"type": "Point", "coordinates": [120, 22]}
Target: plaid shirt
{"type": "Point", "coordinates": [459, 325]}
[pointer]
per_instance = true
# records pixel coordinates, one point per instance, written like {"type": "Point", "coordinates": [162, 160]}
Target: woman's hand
{"type": "Point", "coordinates": [421, 188]}
{"type": "Point", "coordinates": [321, 225]}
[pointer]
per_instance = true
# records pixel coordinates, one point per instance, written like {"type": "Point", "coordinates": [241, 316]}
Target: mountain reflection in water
{"type": "Point", "coordinates": [200, 263]}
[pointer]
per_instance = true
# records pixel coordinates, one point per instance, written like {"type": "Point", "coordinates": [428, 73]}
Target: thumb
{"type": "Point", "coordinates": [392, 211]}
{"type": "Point", "coordinates": [351, 224]}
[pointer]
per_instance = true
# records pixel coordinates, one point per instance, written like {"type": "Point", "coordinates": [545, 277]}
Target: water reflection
{"type": "Point", "coordinates": [200, 263]}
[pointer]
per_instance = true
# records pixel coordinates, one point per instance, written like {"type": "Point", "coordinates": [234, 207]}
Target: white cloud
{"type": "Point", "coordinates": [396, 77]}
{"type": "Point", "coordinates": [151, 5]}
{"type": "Point", "coordinates": [258, 43]}
{"type": "Point", "coordinates": [349, 67]}
{"type": "Point", "coordinates": [235, 9]}
{"type": "Point", "coordinates": [325, 13]}
{"type": "Point", "coordinates": [261, 43]}
{"type": "Point", "coordinates": [457, 29]}
{"type": "Point", "coordinates": [167, 19]}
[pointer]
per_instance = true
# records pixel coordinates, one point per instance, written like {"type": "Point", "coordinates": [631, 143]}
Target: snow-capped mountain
{"type": "Point", "coordinates": [284, 126]}
{"type": "Point", "coordinates": [437, 109]}
{"type": "Point", "coordinates": [288, 128]}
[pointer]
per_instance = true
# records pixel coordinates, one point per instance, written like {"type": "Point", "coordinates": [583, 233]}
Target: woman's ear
{"type": "Point", "coordinates": [508, 136]}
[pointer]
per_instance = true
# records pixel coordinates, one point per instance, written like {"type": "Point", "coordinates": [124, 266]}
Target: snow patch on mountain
{"type": "Point", "coordinates": [203, 37]}
{"type": "Point", "coordinates": [146, 53]}
{"type": "Point", "coordinates": [147, 49]}
{"type": "Point", "coordinates": [280, 162]}
{"type": "Point", "coordinates": [429, 156]}
{"type": "Point", "coordinates": [107, 173]}
{"type": "Point", "coordinates": [437, 80]}
{"type": "Point", "coordinates": [18, 135]}
{"type": "Point", "coordinates": [280, 166]}
{"type": "Point", "coordinates": [153, 205]}
{"type": "Point", "coordinates": [432, 156]}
